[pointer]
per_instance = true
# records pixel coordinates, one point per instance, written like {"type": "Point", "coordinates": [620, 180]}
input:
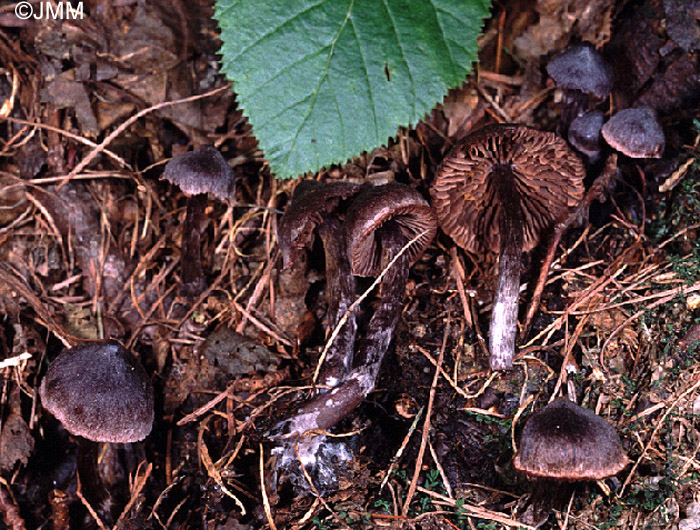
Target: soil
{"type": "Point", "coordinates": [90, 246]}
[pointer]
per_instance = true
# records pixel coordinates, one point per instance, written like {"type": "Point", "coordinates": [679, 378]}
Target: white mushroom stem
{"type": "Point", "coordinates": [504, 315]}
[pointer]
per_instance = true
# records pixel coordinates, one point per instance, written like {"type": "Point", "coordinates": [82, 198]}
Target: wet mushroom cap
{"type": "Point", "coordinates": [201, 171]}
{"type": "Point", "coordinates": [582, 68]}
{"type": "Point", "coordinates": [548, 175]}
{"type": "Point", "coordinates": [636, 133]}
{"type": "Point", "coordinates": [566, 442]}
{"type": "Point", "coordinates": [311, 201]}
{"type": "Point", "coordinates": [371, 209]}
{"type": "Point", "coordinates": [101, 392]}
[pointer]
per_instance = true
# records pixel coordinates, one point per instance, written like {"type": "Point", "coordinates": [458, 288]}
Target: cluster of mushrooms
{"type": "Point", "coordinates": [499, 189]}
{"type": "Point", "coordinates": [368, 232]}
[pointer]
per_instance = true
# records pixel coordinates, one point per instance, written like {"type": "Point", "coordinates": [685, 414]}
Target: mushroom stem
{"type": "Point", "coordinates": [324, 411]}
{"type": "Point", "coordinates": [192, 274]}
{"type": "Point", "coordinates": [505, 307]}
{"type": "Point", "coordinates": [372, 347]}
{"type": "Point", "coordinates": [340, 293]}
{"type": "Point", "coordinates": [91, 483]}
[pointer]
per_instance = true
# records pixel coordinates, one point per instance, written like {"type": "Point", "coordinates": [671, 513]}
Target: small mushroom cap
{"type": "Point", "coordinates": [566, 442]}
{"type": "Point", "coordinates": [581, 68]}
{"type": "Point", "coordinates": [390, 203]}
{"type": "Point", "coordinates": [99, 391]}
{"type": "Point", "coordinates": [549, 179]}
{"type": "Point", "coordinates": [311, 201]}
{"type": "Point", "coordinates": [201, 171]}
{"type": "Point", "coordinates": [584, 132]}
{"type": "Point", "coordinates": [636, 133]}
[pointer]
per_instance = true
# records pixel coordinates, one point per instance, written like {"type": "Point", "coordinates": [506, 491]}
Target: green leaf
{"type": "Point", "coordinates": [324, 80]}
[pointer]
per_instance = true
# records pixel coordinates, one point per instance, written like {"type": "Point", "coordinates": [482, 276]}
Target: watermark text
{"type": "Point", "coordinates": [49, 10]}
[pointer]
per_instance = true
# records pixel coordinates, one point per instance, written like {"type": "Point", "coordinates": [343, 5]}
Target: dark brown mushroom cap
{"type": "Point", "coordinates": [566, 442]}
{"type": "Point", "coordinates": [311, 201]}
{"type": "Point", "coordinates": [549, 179]}
{"type": "Point", "coordinates": [201, 171]}
{"type": "Point", "coordinates": [582, 68]}
{"type": "Point", "coordinates": [370, 210]}
{"type": "Point", "coordinates": [101, 392]}
{"type": "Point", "coordinates": [636, 133]}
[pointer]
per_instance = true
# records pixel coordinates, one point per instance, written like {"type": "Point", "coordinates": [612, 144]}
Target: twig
{"type": "Point", "coordinates": [263, 490]}
{"type": "Point", "coordinates": [357, 302]}
{"type": "Point", "coordinates": [426, 424]}
{"type": "Point", "coordinates": [404, 443]}
{"type": "Point", "coordinates": [659, 424]}
{"type": "Point", "coordinates": [257, 322]}
{"type": "Point", "coordinates": [9, 509]}
{"type": "Point", "coordinates": [135, 491]}
{"type": "Point", "coordinates": [70, 135]}
{"type": "Point", "coordinates": [116, 132]}
{"type": "Point", "coordinates": [597, 190]}
{"type": "Point", "coordinates": [477, 511]}
{"type": "Point", "coordinates": [87, 505]}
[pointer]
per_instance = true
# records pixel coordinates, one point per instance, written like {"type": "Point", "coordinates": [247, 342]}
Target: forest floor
{"type": "Point", "coordinates": [90, 241]}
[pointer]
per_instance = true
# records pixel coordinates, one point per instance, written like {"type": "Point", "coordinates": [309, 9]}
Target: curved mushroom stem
{"type": "Point", "coordinates": [340, 289]}
{"type": "Point", "coordinates": [504, 315]}
{"type": "Point", "coordinates": [190, 260]}
{"type": "Point", "coordinates": [91, 484]}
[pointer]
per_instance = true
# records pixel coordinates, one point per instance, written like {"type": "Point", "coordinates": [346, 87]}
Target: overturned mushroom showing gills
{"type": "Point", "coordinates": [636, 133]}
{"type": "Point", "coordinates": [498, 190]}
{"type": "Point", "coordinates": [197, 173]}
{"type": "Point", "coordinates": [565, 442]}
{"type": "Point", "coordinates": [100, 393]}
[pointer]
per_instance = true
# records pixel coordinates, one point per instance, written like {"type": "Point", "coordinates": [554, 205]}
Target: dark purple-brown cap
{"type": "Point", "coordinates": [584, 133]}
{"type": "Point", "coordinates": [99, 391]}
{"type": "Point", "coordinates": [311, 202]}
{"type": "Point", "coordinates": [582, 68]}
{"type": "Point", "coordinates": [201, 171]}
{"type": "Point", "coordinates": [548, 174]}
{"type": "Point", "coordinates": [636, 133]}
{"type": "Point", "coordinates": [566, 442]}
{"type": "Point", "coordinates": [371, 209]}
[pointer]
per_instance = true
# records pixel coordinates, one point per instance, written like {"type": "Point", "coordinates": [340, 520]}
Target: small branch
{"type": "Point", "coordinates": [597, 191]}
{"type": "Point", "coordinates": [426, 424]}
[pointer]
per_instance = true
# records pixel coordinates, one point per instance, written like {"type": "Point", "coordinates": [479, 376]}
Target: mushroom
{"type": "Point", "coordinates": [582, 72]}
{"type": "Point", "coordinates": [197, 173]}
{"type": "Point", "coordinates": [584, 134]}
{"type": "Point", "coordinates": [100, 393]}
{"type": "Point", "coordinates": [636, 133]}
{"type": "Point", "coordinates": [379, 223]}
{"type": "Point", "coordinates": [498, 190]}
{"type": "Point", "coordinates": [311, 202]}
{"type": "Point", "coordinates": [566, 442]}
{"type": "Point", "coordinates": [312, 208]}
